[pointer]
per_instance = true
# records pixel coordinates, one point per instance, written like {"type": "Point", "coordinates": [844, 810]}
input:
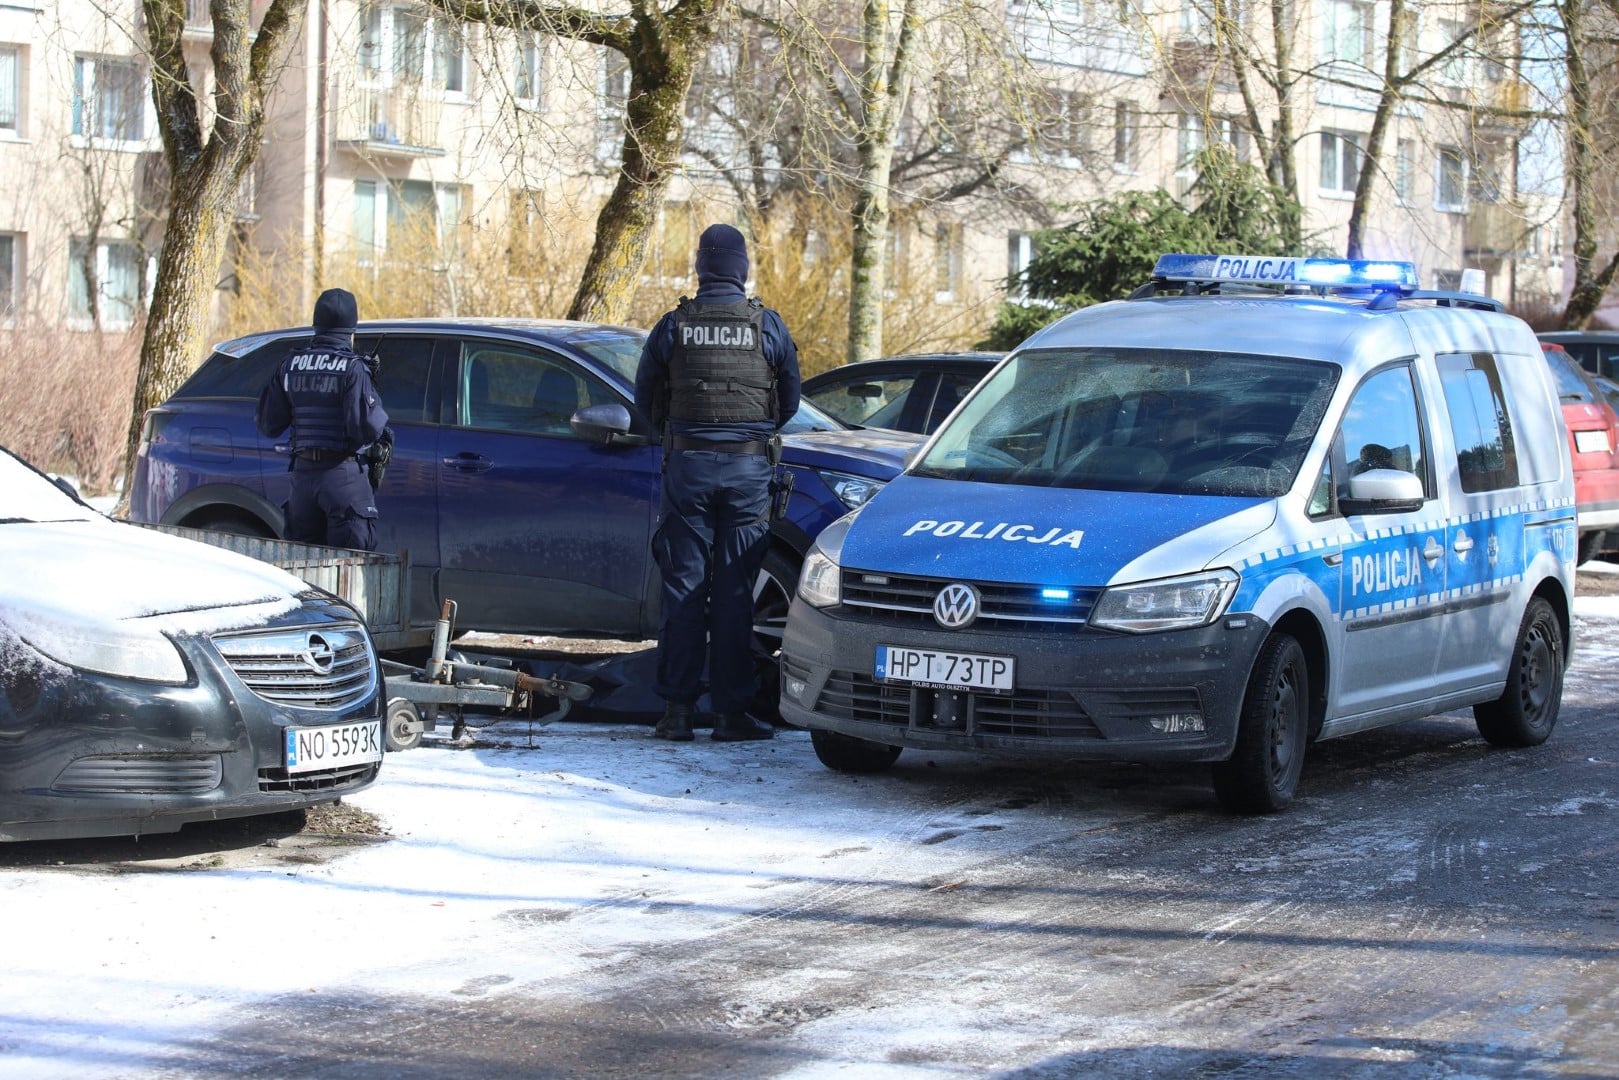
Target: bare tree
{"type": "Point", "coordinates": [206, 164]}
{"type": "Point", "coordinates": [1588, 123]}
{"type": "Point", "coordinates": [663, 46]}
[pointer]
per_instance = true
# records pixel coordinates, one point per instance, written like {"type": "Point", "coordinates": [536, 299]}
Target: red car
{"type": "Point", "coordinates": [1593, 435]}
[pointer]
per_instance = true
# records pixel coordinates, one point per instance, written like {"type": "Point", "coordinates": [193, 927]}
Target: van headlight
{"type": "Point", "coordinates": [853, 491]}
{"type": "Point", "coordinates": [1178, 603]}
{"type": "Point", "coordinates": [820, 582]}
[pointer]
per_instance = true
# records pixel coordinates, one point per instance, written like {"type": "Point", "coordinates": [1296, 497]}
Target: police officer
{"type": "Point", "coordinates": [324, 391]}
{"type": "Point", "coordinates": [720, 375]}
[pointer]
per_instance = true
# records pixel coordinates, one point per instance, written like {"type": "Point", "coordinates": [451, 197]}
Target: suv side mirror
{"type": "Point", "coordinates": [1382, 491]}
{"type": "Point", "coordinates": [602, 423]}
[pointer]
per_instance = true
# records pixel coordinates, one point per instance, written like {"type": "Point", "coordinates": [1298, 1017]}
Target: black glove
{"type": "Point", "coordinates": [373, 364]}
{"type": "Point", "coordinates": [377, 456]}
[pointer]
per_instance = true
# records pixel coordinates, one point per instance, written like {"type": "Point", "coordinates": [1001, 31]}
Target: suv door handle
{"type": "Point", "coordinates": [468, 462]}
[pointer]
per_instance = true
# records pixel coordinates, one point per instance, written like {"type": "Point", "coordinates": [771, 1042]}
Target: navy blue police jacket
{"type": "Point", "coordinates": [653, 373]}
{"type": "Point", "coordinates": [324, 392]}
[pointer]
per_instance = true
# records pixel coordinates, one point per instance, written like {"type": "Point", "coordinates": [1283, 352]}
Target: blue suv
{"type": "Point", "coordinates": [524, 485]}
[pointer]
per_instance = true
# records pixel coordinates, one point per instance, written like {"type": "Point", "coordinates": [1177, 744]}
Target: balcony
{"type": "Point", "coordinates": [387, 121]}
{"type": "Point", "coordinates": [1189, 67]}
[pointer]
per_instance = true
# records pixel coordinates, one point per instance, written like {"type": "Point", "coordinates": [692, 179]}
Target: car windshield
{"type": "Point", "coordinates": [618, 348]}
{"type": "Point", "coordinates": [1187, 422]}
{"type": "Point", "coordinates": [810, 418]}
{"type": "Point", "coordinates": [27, 495]}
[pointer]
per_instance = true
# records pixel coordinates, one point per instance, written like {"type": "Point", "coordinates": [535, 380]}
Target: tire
{"type": "Point", "coordinates": [1527, 709]}
{"type": "Point", "coordinates": [396, 733]}
{"type": "Point", "coordinates": [845, 753]}
{"type": "Point", "coordinates": [1263, 771]}
{"type": "Point", "coordinates": [772, 596]}
{"type": "Point", "coordinates": [227, 522]}
{"type": "Point", "coordinates": [1590, 547]}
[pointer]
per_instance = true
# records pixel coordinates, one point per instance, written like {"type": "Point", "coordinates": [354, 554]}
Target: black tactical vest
{"type": "Point", "coordinates": [718, 372]}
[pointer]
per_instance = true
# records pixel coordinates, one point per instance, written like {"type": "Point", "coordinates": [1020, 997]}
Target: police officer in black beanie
{"type": "Point", "coordinates": [324, 391]}
{"type": "Point", "coordinates": [719, 376]}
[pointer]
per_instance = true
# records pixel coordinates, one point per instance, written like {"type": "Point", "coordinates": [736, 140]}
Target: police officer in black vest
{"type": "Point", "coordinates": [720, 376]}
{"type": "Point", "coordinates": [325, 392]}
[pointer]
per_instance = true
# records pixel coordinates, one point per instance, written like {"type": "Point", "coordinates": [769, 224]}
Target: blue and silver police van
{"type": "Point", "coordinates": [1261, 502]}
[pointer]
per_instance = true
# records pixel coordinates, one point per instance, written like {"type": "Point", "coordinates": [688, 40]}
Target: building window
{"type": "Point", "coordinates": [1405, 169]}
{"type": "Point", "coordinates": [109, 99]}
{"type": "Point", "coordinates": [1454, 69]}
{"type": "Point", "coordinates": [365, 221]}
{"type": "Point", "coordinates": [1195, 21]}
{"type": "Point", "coordinates": [1230, 131]}
{"type": "Point", "coordinates": [10, 273]}
{"type": "Point", "coordinates": [115, 266]}
{"type": "Point", "coordinates": [1340, 162]}
{"type": "Point", "coordinates": [1450, 187]}
{"type": "Point", "coordinates": [948, 252]}
{"type": "Point", "coordinates": [10, 90]}
{"type": "Point", "coordinates": [403, 45]}
{"type": "Point", "coordinates": [1346, 35]}
{"type": "Point", "coordinates": [1020, 252]}
{"type": "Point", "coordinates": [1062, 130]}
{"type": "Point", "coordinates": [526, 79]}
{"type": "Point", "coordinates": [1126, 125]}
{"type": "Point", "coordinates": [1189, 137]}
{"type": "Point", "coordinates": [611, 102]}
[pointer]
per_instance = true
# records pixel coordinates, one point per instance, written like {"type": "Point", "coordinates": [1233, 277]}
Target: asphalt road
{"type": "Point", "coordinates": [1428, 908]}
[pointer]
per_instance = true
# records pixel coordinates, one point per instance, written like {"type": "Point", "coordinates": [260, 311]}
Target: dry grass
{"type": "Point", "coordinates": [65, 400]}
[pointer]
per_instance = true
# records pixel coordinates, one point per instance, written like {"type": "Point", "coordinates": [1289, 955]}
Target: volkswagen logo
{"type": "Point", "coordinates": [956, 606]}
{"type": "Point", "coordinates": [319, 655]}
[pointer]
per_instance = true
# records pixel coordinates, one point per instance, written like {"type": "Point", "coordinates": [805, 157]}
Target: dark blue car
{"type": "Point", "coordinates": [523, 486]}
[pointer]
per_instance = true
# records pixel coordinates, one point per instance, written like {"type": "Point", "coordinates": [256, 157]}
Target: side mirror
{"type": "Point", "coordinates": [601, 423]}
{"type": "Point", "coordinates": [1382, 491]}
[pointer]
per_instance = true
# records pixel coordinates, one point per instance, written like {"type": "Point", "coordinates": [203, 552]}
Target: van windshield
{"type": "Point", "coordinates": [1185, 422]}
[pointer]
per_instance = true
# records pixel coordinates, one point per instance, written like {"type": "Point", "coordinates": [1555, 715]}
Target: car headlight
{"type": "Point", "coordinates": [853, 491]}
{"type": "Point", "coordinates": [1171, 604]}
{"type": "Point", "coordinates": [105, 648]}
{"type": "Point", "coordinates": [820, 582]}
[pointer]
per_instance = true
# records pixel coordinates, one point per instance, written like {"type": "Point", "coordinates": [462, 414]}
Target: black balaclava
{"type": "Point", "coordinates": [336, 312]}
{"type": "Point", "coordinates": [722, 261]}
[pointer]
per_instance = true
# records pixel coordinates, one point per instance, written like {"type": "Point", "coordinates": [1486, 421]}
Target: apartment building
{"type": "Point", "coordinates": [388, 122]}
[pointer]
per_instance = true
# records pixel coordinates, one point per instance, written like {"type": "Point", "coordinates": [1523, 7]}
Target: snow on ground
{"type": "Point", "coordinates": [111, 974]}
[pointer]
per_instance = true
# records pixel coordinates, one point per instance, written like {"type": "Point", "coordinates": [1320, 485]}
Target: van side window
{"type": "Point", "coordinates": [509, 388]}
{"type": "Point", "coordinates": [1381, 429]}
{"type": "Point", "coordinates": [1479, 421]}
{"type": "Point", "coordinates": [402, 376]}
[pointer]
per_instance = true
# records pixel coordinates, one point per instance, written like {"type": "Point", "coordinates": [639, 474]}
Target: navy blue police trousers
{"type": "Point", "coordinates": [332, 504]}
{"type": "Point", "coordinates": [709, 546]}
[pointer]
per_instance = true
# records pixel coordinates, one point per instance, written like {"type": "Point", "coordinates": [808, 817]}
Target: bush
{"type": "Point", "coordinates": [64, 400]}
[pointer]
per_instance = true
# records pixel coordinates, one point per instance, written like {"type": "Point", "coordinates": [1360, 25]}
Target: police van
{"type": "Point", "coordinates": [1261, 502]}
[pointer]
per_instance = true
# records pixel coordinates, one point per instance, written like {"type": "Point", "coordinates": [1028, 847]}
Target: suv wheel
{"type": "Point", "coordinates": [772, 596]}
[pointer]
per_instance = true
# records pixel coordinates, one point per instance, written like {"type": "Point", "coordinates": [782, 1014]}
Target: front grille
{"type": "Point", "coordinates": [1050, 714]}
{"type": "Point", "coordinates": [142, 775]}
{"type": "Point", "coordinates": [906, 600]}
{"type": "Point", "coordinates": [325, 667]}
{"type": "Point", "coordinates": [322, 780]}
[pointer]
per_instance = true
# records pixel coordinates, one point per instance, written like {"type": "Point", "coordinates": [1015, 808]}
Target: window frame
{"type": "Point", "coordinates": [11, 276]}
{"type": "Point", "coordinates": [85, 103]}
{"type": "Point", "coordinates": [81, 320]}
{"type": "Point", "coordinates": [16, 127]}
{"type": "Point", "coordinates": [1440, 202]}
{"type": "Point", "coordinates": [1342, 150]}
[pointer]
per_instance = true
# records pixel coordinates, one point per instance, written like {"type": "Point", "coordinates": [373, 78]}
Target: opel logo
{"type": "Point", "coordinates": [956, 606]}
{"type": "Point", "coordinates": [319, 655]}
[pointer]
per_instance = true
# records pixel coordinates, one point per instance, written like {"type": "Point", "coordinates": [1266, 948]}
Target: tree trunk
{"type": "Point", "coordinates": [1371, 158]}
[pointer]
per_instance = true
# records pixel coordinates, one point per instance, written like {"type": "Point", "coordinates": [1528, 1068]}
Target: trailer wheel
{"type": "Point", "coordinates": [402, 726]}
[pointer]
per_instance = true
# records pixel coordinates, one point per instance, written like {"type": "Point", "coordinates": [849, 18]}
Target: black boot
{"type": "Point", "coordinates": [740, 727]}
{"type": "Point", "coordinates": [676, 723]}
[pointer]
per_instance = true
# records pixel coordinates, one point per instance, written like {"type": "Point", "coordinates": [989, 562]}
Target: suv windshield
{"type": "Point", "coordinates": [1185, 422]}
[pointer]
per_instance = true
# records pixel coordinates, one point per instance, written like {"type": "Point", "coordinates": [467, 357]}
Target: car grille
{"type": "Point", "coordinates": [188, 775]}
{"type": "Point", "coordinates": [902, 599]}
{"type": "Point", "coordinates": [1052, 714]}
{"type": "Point", "coordinates": [326, 667]}
{"type": "Point", "coordinates": [321, 780]}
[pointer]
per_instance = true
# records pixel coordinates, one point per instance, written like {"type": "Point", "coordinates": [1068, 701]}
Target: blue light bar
{"type": "Point", "coordinates": [1276, 270]}
{"type": "Point", "coordinates": [1056, 594]}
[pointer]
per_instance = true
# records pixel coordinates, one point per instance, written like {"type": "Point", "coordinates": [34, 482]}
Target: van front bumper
{"type": "Point", "coordinates": [1172, 696]}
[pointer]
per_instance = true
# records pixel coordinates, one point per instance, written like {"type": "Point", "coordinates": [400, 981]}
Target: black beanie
{"type": "Point", "coordinates": [722, 257]}
{"type": "Point", "coordinates": [336, 310]}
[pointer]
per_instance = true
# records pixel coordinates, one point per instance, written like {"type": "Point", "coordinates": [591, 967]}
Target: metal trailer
{"type": "Point", "coordinates": [448, 682]}
{"type": "Point", "coordinates": [377, 584]}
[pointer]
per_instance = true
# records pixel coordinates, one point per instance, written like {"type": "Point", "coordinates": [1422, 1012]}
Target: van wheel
{"type": "Point", "coordinates": [1590, 546]}
{"type": "Point", "coordinates": [1263, 771]}
{"type": "Point", "coordinates": [1526, 711]}
{"type": "Point", "coordinates": [397, 733]}
{"type": "Point", "coordinates": [845, 753]}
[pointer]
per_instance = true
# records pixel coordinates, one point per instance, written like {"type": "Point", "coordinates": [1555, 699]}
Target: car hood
{"type": "Point", "coordinates": [875, 453]}
{"type": "Point", "coordinates": [1002, 532]}
{"type": "Point", "coordinates": [68, 575]}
